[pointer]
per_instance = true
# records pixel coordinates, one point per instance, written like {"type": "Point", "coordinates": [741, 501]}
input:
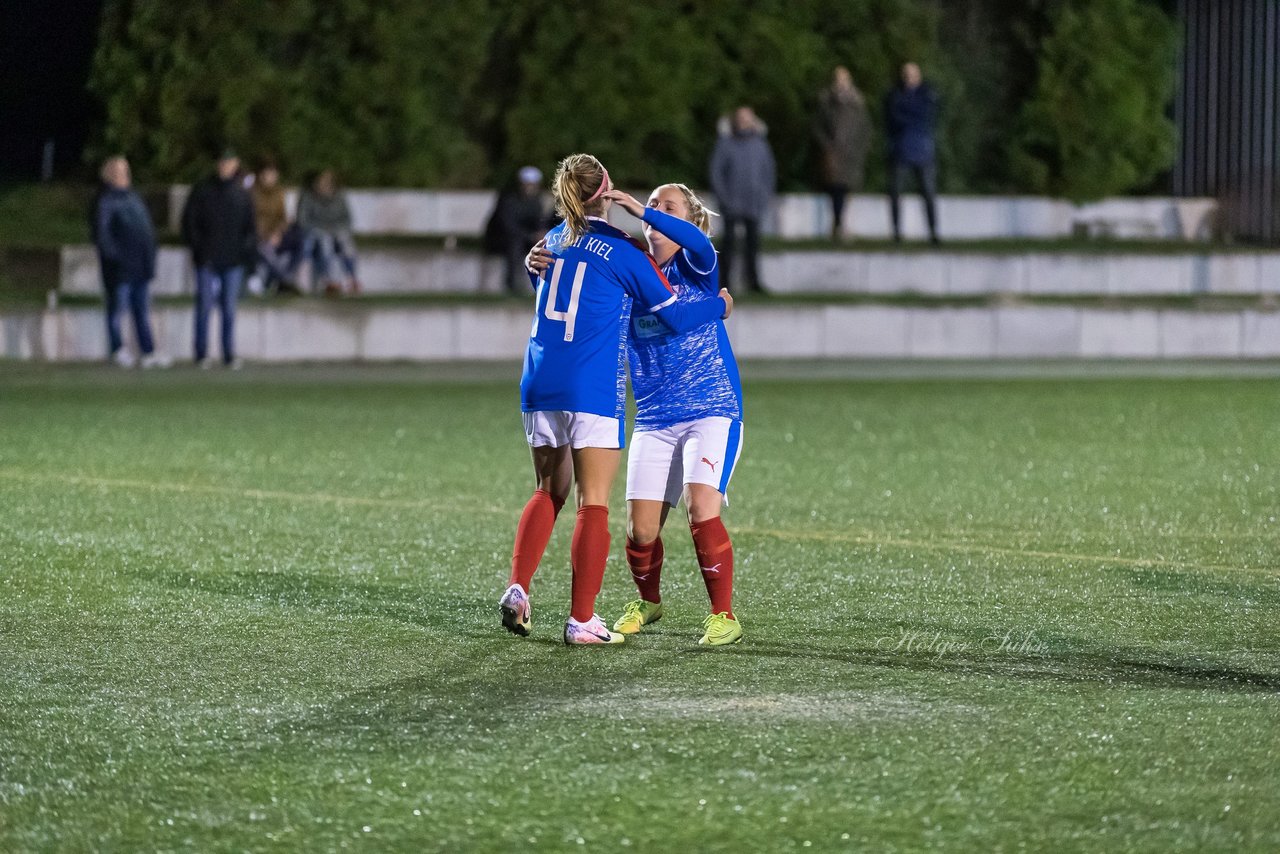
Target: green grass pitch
{"type": "Point", "coordinates": [257, 611]}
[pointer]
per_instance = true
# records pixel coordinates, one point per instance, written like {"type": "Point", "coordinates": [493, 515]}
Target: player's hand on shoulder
{"type": "Point", "coordinates": [629, 203]}
{"type": "Point", "coordinates": [728, 303]}
{"type": "Point", "coordinates": [538, 259]}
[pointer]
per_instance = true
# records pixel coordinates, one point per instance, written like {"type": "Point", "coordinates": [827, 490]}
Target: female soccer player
{"type": "Point", "coordinates": [572, 390]}
{"type": "Point", "coordinates": [688, 431]}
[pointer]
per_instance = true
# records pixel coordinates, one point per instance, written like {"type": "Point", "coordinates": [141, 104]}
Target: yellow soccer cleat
{"type": "Point", "coordinates": [636, 615]}
{"type": "Point", "coordinates": [720, 629]}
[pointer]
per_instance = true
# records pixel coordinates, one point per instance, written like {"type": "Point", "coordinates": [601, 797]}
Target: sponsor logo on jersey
{"type": "Point", "coordinates": [648, 326]}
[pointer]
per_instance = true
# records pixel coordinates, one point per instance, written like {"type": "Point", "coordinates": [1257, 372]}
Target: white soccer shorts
{"type": "Point", "coordinates": [557, 427]}
{"type": "Point", "coordinates": [661, 462]}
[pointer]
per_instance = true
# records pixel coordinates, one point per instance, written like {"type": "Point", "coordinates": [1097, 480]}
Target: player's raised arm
{"type": "Point", "coordinates": [676, 213]}
{"type": "Point", "coordinates": [693, 240]}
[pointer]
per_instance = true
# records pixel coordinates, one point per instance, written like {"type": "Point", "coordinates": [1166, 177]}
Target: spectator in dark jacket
{"type": "Point", "coordinates": [843, 132]}
{"type": "Point", "coordinates": [911, 112]}
{"type": "Point", "coordinates": [743, 178]}
{"type": "Point", "coordinates": [218, 225]}
{"type": "Point", "coordinates": [126, 242]}
{"type": "Point", "coordinates": [520, 217]}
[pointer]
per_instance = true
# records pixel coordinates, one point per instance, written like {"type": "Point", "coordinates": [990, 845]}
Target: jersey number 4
{"type": "Point", "coordinates": [569, 315]}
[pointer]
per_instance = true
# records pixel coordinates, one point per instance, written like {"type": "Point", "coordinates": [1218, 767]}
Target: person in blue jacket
{"type": "Point", "coordinates": [573, 389]}
{"type": "Point", "coordinates": [126, 244]}
{"type": "Point", "coordinates": [911, 114]}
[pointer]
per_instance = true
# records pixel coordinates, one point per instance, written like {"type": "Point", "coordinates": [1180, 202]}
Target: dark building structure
{"type": "Point", "coordinates": [1228, 112]}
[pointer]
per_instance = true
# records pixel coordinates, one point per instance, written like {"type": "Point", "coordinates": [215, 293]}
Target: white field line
{"type": "Point", "coordinates": [243, 492]}
{"type": "Point", "coordinates": [866, 538]}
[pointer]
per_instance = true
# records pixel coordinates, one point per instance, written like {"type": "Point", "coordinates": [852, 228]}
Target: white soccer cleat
{"type": "Point", "coordinates": [592, 631]}
{"type": "Point", "coordinates": [123, 358]}
{"type": "Point", "coordinates": [516, 613]}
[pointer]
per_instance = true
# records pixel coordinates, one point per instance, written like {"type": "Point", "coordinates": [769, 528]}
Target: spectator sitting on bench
{"type": "Point", "coordinates": [279, 244]}
{"type": "Point", "coordinates": [325, 219]}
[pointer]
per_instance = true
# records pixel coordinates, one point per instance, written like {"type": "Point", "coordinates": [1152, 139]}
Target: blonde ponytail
{"type": "Point", "coordinates": [577, 186]}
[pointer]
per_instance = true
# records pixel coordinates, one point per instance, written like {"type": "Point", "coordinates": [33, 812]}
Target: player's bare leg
{"type": "Point", "coordinates": [594, 470]}
{"type": "Point", "coordinates": [553, 476]}
{"type": "Point", "coordinates": [645, 519]}
{"type": "Point", "coordinates": [715, 560]}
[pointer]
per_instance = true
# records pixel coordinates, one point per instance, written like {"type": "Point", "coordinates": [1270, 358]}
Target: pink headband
{"type": "Point", "coordinates": [604, 182]}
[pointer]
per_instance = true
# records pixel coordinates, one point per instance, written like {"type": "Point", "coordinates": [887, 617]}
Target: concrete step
{"type": "Point", "coordinates": [383, 270]}
{"type": "Point", "coordinates": [356, 330]}
{"type": "Point", "coordinates": [422, 270]}
{"type": "Point", "coordinates": [807, 215]}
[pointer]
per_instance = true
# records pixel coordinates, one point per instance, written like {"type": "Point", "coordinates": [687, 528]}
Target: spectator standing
{"type": "Point", "coordinates": [520, 218]}
{"type": "Point", "coordinates": [911, 114]}
{"type": "Point", "coordinates": [325, 219]}
{"type": "Point", "coordinates": [843, 131]}
{"type": "Point", "coordinates": [126, 243]}
{"type": "Point", "coordinates": [218, 226]}
{"type": "Point", "coordinates": [743, 178]}
{"type": "Point", "coordinates": [277, 244]}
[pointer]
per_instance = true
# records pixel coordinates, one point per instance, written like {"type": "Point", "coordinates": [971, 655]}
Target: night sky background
{"type": "Point", "coordinates": [46, 49]}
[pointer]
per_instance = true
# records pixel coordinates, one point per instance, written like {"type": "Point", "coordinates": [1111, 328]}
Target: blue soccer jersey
{"type": "Point", "coordinates": [576, 360]}
{"type": "Point", "coordinates": [683, 376]}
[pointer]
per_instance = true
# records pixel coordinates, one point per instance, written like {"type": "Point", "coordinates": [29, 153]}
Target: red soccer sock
{"type": "Point", "coordinates": [715, 559]}
{"type": "Point", "coordinates": [646, 567]}
{"type": "Point", "coordinates": [532, 535]}
{"type": "Point", "coordinates": [588, 553]}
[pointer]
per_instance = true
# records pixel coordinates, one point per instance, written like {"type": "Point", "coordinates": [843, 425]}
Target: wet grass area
{"type": "Point", "coordinates": [984, 610]}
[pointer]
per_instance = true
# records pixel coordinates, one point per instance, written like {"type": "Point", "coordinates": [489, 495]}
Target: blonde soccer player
{"type": "Point", "coordinates": [572, 392]}
{"type": "Point", "coordinates": [688, 429]}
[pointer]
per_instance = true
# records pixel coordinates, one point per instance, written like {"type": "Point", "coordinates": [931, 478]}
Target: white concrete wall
{"type": "Point", "coordinates": [344, 331]}
{"type": "Point", "coordinates": [399, 270]}
{"type": "Point", "coordinates": [30, 335]}
{"type": "Point", "coordinates": [423, 212]}
{"type": "Point", "coordinates": [1037, 273]}
{"type": "Point", "coordinates": [464, 212]}
{"type": "Point", "coordinates": [81, 273]}
{"type": "Point", "coordinates": [977, 217]}
{"type": "Point", "coordinates": [408, 270]}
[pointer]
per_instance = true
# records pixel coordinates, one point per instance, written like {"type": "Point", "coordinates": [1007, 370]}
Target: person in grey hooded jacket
{"type": "Point", "coordinates": [743, 178]}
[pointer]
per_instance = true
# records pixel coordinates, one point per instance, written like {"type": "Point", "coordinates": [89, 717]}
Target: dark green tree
{"type": "Point", "coordinates": [642, 85]}
{"type": "Point", "coordinates": [378, 89]}
{"type": "Point", "coordinates": [1095, 123]}
{"type": "Point", "coordinates": [459, 92]}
